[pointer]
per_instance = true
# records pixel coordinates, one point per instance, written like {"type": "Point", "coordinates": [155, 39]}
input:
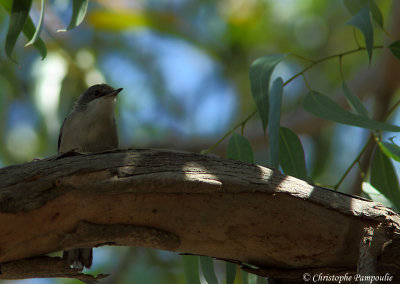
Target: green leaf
{"type": "Point", "coordinates": [230, 272]}
{"type": "Point", "coordinates": [354, 101]}
{"type": "Point", "coordinates": [362, 21]}
{"type": "Point", "coordinates": [275, 101]}
{"type": "Point", "coordinates": [371, 193]}
{"type": "Point", "coordinates": [245, 277]}
{"type": "Point", "coordinates": [19, 15]}
{"type": "Point", "coordinates": [39, 27]}
{"type": "Point", "coordinates": [260, 75]}
{"type": "Point", "coordinates": [383, 177]}
{"type": "Point", "coordinates": [322, 106]}
{"type": "Point", "coordinates": [239, 149]}
{"type": "Point", "coordinates": [391, 150]}
{"type": "Point", "coordinates": [207, 266]}
{"type": "Point", "coordinates": [291, 154]}
{"type": "Point", "coordinates": [28, 30]}
{"type": "Point", "coordinates": [395, 48]}
{"type": "Point", "coordinates": [376, 13]}
{"type": "Point", "coordinates": [79, 8]}
{"type": "Point", "coordinates": [191, 268]}
{"type": "Point", "coordinates": [353, 6]}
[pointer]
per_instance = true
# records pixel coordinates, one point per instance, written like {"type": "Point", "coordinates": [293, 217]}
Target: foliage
{"type": "Point", "coordinates": [269, 93]}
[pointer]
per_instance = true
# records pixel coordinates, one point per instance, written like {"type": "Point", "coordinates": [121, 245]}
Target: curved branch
{"type": "Point", "coordinates": [188, 203]}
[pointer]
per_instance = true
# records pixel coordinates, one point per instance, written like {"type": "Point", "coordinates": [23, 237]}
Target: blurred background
{"type": "Point", "coordinates": [184, 66]}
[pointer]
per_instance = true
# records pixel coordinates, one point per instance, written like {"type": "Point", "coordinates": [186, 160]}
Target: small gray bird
{"type": "Point", "coordinates": [90, 127]}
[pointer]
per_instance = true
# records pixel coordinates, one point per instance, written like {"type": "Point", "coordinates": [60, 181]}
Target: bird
{"type": "Point", "coordinates": [89, 127]}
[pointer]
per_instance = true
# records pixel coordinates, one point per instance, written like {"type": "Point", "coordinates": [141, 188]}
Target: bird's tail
{"type": "Point", "coordinates": [79, 258]}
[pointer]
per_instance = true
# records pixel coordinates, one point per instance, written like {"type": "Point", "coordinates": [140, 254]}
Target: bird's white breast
{"type": "Point", "coordinates": [91, 129]}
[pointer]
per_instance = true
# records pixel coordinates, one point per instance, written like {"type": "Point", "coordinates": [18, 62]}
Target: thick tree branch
{"type": "Point", "coordinates": [193, 204]}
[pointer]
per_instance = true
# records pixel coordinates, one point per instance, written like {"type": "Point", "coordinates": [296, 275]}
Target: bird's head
{"type": "Point", "coordinates": [98, 92]}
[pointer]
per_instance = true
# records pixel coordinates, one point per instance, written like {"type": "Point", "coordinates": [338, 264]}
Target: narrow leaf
{"type": "Point", "coordinates": [391, 150]}
{"type": "Point", "coordinates": [376, 13]}
{"type": "Point", "coordinates": [383, 177]}
{"type": "Point", "coordinates": [354, 101]}
{"type": "Point", "coordinates": [354, 6]}
{"type": "Point", "coordinates": [79, 8]}
{"type": "Point", "coordinates": [230, 272]}
{"type": "Point", "coordinates": [362, 21]}
{"type": "Point", "coordinates": [260, 74]}
{"type": "Point", "coordinates": [240, 149]}
{"type": "Point", "coordinates": [19, 14]}
{"type": "Point", "coordinates": [39, 27]}
{"type": "Point", "coordinates": [291, 154]}
{"type": "Point", "coordinates": [322, 106]}
{"type": "Point", "coordinates": [275, 100]}
{"type": "Point", "coordinates": [191, 268]}
{"type": "Point", "coordinates": [395, 48]}
{"type": "Point", "coordinates": [207, 266]}
{"type": "Point", "coordinates": [245, 277]}
{"type": "Point", "coordinates": [371, 193]}
{"type": "Point", "coordinates": [28, 30]}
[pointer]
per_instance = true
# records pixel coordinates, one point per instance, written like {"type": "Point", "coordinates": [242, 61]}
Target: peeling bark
{"type": "Point", "coordinates": [188, 203]}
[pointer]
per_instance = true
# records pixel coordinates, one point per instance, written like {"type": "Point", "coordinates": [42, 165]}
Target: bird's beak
{"type": "Point", "coordinates": [115, 92]}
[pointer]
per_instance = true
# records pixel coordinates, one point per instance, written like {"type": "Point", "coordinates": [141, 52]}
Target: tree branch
{"type": "Point", "coordinates": [188, 203]}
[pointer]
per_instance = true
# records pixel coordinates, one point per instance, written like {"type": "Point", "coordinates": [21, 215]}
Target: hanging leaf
{"type": "Point", "coordinates": [230, 272]}
{"type": "Point", "coordinates": [383, 177]}
{"type": "Point", "coordinates": [39, 27]}
{"type": "Point", "coordinates": [391, 150]}
{"type": "Point", "coordinates": [207, 266]}
{"type": "Point", "coordinates": [291, 154]}
{"type": "Point", "coordinates": [28, 30]}
{"type": "Point", "coordinates": [322, 106]}
{"type": "Point", "coordinates": [79, 8]}
{"type": "Point", "coordinates": [371, 193]}
{"type": "Point", "coordinates": [191, 268]}
{"type": "Point", "coordinates": [362, 21]}
{"type": "Point", "coordinates": [245, 277]}
{"type": "Point", "coordinates": [260, 75]}
{"type": "Point", "coordinates": [395, 48]}
{"type": "Point", "coordinates": [354, 101]}
{"type": "Point", "coordinates": [353, 6]}
{"type": "Point", "coordinates": [239, 149]}
{"type": "Point", "coordinates": [275, 100]}
{"type": "Point", "coordinates": [19, 15]}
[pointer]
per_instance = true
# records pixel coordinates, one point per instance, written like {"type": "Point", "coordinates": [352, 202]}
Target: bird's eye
{"type": "Point", "coordinates": [97, 93]}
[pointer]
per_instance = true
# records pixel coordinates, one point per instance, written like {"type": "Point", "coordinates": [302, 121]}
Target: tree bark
{"type": "Point", "coordinates": [188, 203]}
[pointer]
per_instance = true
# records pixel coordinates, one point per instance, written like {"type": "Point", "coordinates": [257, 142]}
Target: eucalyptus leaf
{"type": "Point", "coordinates": [245, 277]}
{"type": "Point", "coordinates": [275, 100]}
{"type": "Point", "coordinates": [354, 6]}
{"type": "Point", "coordinates": [291, 154]}
{"type": "Point", "coordinates": [39, 27]}
{"type": "Point", "coordinates": [239, 148]}
{"type": "Point", "coordinates": [191, 268]}
{"type": "Point", "coordinates": [354, 101]}
{"type": "Point", "coordinates": [79, 8]}
{"type": "Point", "coordinates": [362, 21]}
{"type": "Point", "coordinates": [391, 150]}
{"type": "Point", "coordinates": [383, 177]}
{"type": "Point", "coordinates": [207, 266]}
{"type": "Point", "coordinates": [395, 48]}
{"type": "Point", "coordinates": [260, 75]}
{"type": "Point", "coordinates": [19, 15]}
{"type": "Point", "coordinates": [323, 106]}
{"type": "Point", "coordinates": [28, 30]}
{"type": "Point", "coordinates": [230, 272]}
